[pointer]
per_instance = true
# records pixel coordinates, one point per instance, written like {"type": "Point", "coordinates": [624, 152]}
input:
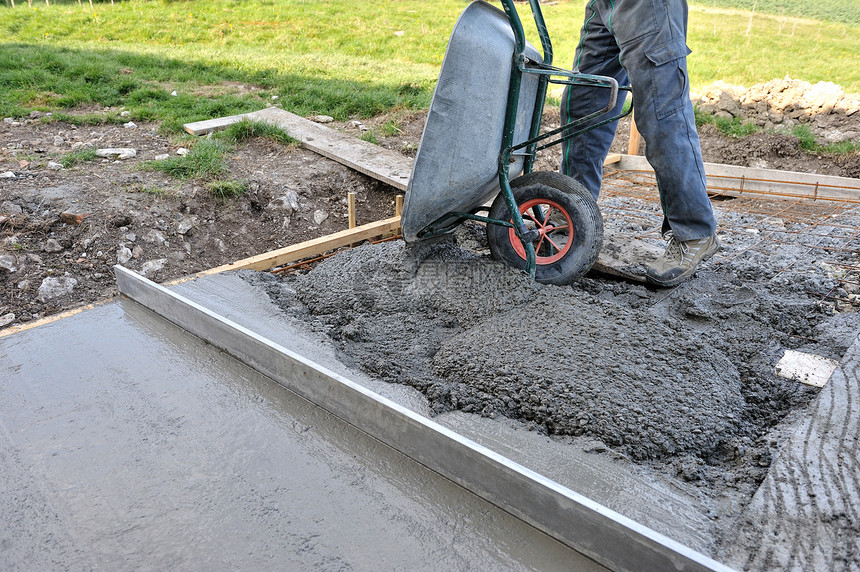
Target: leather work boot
{"type": "Point", "coordinates": [681, 259]}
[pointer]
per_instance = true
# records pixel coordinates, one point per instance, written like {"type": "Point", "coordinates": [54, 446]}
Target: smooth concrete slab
{"type": "Point", "coordinates": [806, 514]}
{"type": "Point", "coordinates": [614, 484]}
{"type": "Point", "coordinates": [127, 443]}
{"type": "Point", "coordinates": [581, 523]}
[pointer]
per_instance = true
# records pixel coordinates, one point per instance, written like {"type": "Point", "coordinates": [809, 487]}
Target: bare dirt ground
{"type": "Point", "coordinates": [118, 211]}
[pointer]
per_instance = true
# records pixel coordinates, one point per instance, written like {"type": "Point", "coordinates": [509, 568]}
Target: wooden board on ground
{"type": "Point", "coordinates": [626, 257]}
{"type": "Point", "coordinates": [308, 248]}
{"type": "Point", "coordinates": [382, 164]}
{"type": "Point", "coordinates": [740, 181]}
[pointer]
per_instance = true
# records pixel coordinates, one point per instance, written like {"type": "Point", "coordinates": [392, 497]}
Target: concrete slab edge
{"type": "Point", "coordinates": [607, 537]}
{"type": "Point", "coordinates": [49, 319]}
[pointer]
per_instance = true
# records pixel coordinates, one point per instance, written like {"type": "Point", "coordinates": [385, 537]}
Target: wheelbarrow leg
{"type": "Point", "coordinates": [527, 236]}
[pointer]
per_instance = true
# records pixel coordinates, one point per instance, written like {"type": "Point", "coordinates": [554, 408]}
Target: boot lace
{"type": "Point", "coordinates": [675, 249]}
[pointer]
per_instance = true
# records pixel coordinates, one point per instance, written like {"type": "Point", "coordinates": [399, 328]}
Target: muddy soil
{"type": "Point", "coordinates": [119, 211]}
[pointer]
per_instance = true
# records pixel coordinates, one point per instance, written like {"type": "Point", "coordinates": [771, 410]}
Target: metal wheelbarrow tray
{"type": "Point", "coordinates": [480, 140]}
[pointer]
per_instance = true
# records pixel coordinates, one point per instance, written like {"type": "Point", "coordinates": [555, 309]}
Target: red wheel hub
{"type": "Point", "coordinates": [554, 225]}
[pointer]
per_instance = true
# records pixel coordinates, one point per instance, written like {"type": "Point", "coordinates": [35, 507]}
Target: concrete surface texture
{"type": "Point", "coordinates": [678, 385]}
{"type": "Point", "coordinates": [590, 469]}
{"type": "Point", "coordinates": [127, 443]}
{"type": "Point", "coordinates": [806, 515]}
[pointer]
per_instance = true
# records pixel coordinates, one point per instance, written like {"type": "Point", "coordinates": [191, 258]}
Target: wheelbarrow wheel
{"type": "Point", "coordinates": [567, 219]}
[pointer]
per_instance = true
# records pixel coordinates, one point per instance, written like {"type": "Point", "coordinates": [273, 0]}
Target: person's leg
{"type": "Point", "coordinates": [657, 65]}
{"type": "Point", "coordinates": [652, 36]}
{"type": "Point", "coordinates": [597, 54]}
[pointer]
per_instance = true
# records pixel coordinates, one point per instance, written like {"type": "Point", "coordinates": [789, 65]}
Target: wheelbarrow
{"type": "Point", "coordinates": [480, 141]}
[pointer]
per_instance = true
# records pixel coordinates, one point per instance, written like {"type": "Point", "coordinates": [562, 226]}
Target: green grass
{"type": "Point", "coordinates": [370, 137]}
{"type": "Point", "coordinates": [76, 157]}
{"type": "Point", "coordinates": [223, 190]}
{"type": "Point", "coordinates": [808, 142]}
{"type": "Point", "coordinates": [343, 58]}
{"type": "Point", "coordinates": [152, 190]}
{"type": "Point", "coordinates": [391, 128]}
{"type": "Point", "coordinates": [731, 127]}
{"type": "Point", "coordinates": [845, 11]}
{"type": "Point", "coordinates": [206, 159]}
{"type": "Point", "coordinates": [806, 137]}
{"type": "Point", "coordinates": [735, 127]}
{"type": "Point", "coordinates": [245, 129]}
{"type": "Point", "coordinates": [85, 118]}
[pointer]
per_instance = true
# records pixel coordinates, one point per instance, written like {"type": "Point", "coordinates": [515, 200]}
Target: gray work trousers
{"type": "Point", "coordinates": [643, 42]}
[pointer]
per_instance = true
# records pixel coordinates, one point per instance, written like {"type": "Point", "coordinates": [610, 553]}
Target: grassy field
{"type": "Point", "coordinates": [845, 11]}
{"type": "Point", "coordinates": [335, 57]}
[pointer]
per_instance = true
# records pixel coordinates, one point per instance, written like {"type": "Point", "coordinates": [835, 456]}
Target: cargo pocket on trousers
{"type": "Point", "coordinates": [669, 76]}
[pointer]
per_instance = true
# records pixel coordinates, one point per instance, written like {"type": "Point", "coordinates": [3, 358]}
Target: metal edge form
{"type": "Point", "coordinates": [591, 529]}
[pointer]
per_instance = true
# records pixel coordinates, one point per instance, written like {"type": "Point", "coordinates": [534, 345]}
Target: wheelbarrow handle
{"type": "Point", "coordinates": [519, 33]}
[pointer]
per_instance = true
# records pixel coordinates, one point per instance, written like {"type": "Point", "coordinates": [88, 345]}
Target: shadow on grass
{"type": "Point", "coordinates": [49, 78]}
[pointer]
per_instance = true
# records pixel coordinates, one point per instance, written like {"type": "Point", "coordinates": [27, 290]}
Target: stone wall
{"type": "Point", "coordinates": [832, 114]}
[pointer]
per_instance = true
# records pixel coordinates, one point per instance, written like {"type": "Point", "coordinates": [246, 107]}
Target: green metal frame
{"type": "Point", "coordinates": [547, 73]}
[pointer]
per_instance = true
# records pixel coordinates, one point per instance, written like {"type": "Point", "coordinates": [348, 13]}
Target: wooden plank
{"type": "Point", "coordinates": [374, 161]}
{"type": "Point", "coordinates": [305, 249]}
{"type": "Point", "coordinates": [738, 181]}
{"type": "Point", "coordinates": [210, 125]}
{"type": "Point", "coordinates": [635, 139]}
{"type": "Point", "coordinates": [612, 159]}
{"type": "Point", "coordinates": [625, 256]}
{"type": "Point", "coordinates": [49, 319]}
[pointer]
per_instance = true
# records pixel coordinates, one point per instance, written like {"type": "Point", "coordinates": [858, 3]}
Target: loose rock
{"type": "Point", "coordinates": [154, 236]}
{"type": "Point", "coordinates": [320, 216]}
{"type": "Point", "coordinates": [123, 255]}
{"type": "Point", "coordinates": [8, 262]}
{"type": "Point", "coordinates": [150, 267]}
{"type": "Point", "coordinates": [786, 102]}
{"type": "Point", "coordinates": [185, 225]}
{"type": "Point", "coordinates": [10, 207]}
{"type": "Point", "coordinates": [119, 153]}
{"type": "Point", "coordinates": [72, 217]}
{"type": "Point", "coordinates": [55, 287]}
{"type": "Point", "coordinates": [287, 201]}
{"type": "Point", "coordinates": [52, 245]}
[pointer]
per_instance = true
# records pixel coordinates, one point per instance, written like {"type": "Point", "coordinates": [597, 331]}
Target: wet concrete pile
{"type": "Point", "coordinates": [682, 381]}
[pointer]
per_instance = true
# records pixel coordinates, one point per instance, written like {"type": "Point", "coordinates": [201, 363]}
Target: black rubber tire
{"type": "Point", "coordinates": [563, 194]}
